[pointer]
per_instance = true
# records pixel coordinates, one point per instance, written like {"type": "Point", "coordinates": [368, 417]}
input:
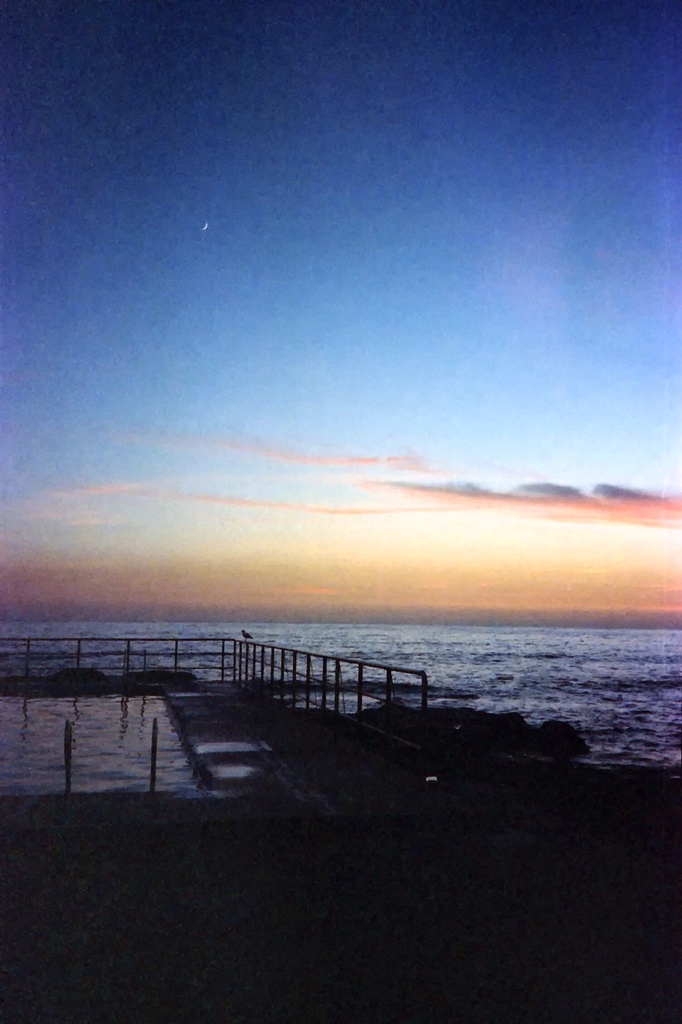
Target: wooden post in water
{"type": "Point", "coordinates": [155, 741]}
{"type": "Point", "coordinates": [68, 743]}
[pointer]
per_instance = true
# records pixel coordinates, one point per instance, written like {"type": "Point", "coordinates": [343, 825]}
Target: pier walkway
{"type": "Point", "coordinates": [257, 758]}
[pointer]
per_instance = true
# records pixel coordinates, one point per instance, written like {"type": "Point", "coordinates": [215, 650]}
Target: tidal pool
{"type": "Point", "coordinates": [111, 748]}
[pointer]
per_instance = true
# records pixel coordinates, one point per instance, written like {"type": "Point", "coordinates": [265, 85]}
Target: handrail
{"type": "Point", "coordinates": [249, 668]}
{"type": "Point", "coordinates": [294, 676]}
{"type": "Point", "coordinates": [27, 653]}
{"type": "Point", "coordinates": [348, 661]}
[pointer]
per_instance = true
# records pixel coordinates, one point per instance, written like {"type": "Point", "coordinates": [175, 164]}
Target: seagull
{"type": "Point", "coordinates": [247, 636]}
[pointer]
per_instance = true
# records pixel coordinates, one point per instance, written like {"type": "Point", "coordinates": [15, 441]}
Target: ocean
{"type": "Point", "coordinates": [620, 688]}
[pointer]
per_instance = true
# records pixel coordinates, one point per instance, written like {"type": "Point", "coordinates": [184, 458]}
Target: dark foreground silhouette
{"type": "Point", "coordinates": [374, 919]}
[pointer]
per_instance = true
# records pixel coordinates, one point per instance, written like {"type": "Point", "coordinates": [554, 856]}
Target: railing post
{"type": "Point", "coordinates": [68, 743]}
{"type": "Point", "coordinates": [253, 668]}
{"type": "Point", "coordinates": [294, 657]}
{"type": "Point", "coordinates": [308, 673]}
{"type": "Point", "coordinates": [222, 661]}
{"type": "Point", "coordinates": [389, 698]}
{"type": "Point", "coordinates": [324, 683]}
{"type": "Point", "coordinates": [234, 661]}
{"type": "Point", "coordinates": [155, 741]}
{"type": "Point", "coordinates": [337, 684]}
{"type": "Point", "coordinates": [425, 692]}
{"type": "Point", "coordinates": [361, 670]}
{"type": "Point", "coordinates": [272, 670]}
{"type": "Point", "coordinates": [282, 661]}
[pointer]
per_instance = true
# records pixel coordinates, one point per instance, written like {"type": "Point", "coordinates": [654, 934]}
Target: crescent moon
{"type": "Point", "coordinates": [205, 226]}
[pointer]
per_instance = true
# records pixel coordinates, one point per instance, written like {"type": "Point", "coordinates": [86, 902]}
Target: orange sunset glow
{"type": "Point", "coordinates": [409, 552]}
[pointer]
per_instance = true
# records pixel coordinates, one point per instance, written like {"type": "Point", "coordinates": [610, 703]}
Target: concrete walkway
{"type": "Point", "coordinates": [261, 759]}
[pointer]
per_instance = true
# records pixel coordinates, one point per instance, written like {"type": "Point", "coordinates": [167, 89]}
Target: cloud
{"type": "Point", "coordinates": [104, 490]}
{"type": "Point", "coordinates": [407, 463]}
{"type": "Point", "coordinates": [306, 591]}
{"type": "Point", "coordinates": [231, 501]}
{"type": "Point", "coordinates": [558, 492]}
{"type": "Point", "coordinates": [288, 506]}
{"type": "Point", "coordinates": [605, 503]}
{"type": "Point", "coordinates": [611, 493]}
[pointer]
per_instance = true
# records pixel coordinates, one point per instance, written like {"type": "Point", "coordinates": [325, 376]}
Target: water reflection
{"type": "Point", "coordinates": [141, 728]}
{"type": "Point", "coordinates": [124, 718]}
{"type": "Point", "coordinates": [106, 755]}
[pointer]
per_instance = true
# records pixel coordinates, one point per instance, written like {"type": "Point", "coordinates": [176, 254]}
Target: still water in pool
{"type": "Point", "coordinates": [112, 738]}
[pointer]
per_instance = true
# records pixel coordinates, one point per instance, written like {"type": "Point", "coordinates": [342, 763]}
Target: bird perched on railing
{"type": "Point", "coordinates": [247, 636]}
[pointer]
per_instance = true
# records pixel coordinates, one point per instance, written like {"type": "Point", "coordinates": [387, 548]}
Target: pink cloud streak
{"type": "Point", "coordinates": [160, 494]}
{"type": "Point", "coordinates": [408, 463]}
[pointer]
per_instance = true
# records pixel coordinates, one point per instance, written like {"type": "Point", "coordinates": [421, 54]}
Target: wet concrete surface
{"type": "Point", "coordinates": [260, 759]}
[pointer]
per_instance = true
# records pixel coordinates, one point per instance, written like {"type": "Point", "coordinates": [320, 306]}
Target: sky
{"type": "Point", "coordinates": [342, 311]}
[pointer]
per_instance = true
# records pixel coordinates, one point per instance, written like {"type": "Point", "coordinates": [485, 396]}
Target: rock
{"type": "Point", "coordinates": [160, 675]}
{"type": "Point", "coordinates": [508, 727]}
{"type": "Point", "coordinates": [560, 740]}
{"type": "Point", "coordinates": [77, 675]}
{"type": "Point", "coordinates": [452, 731]}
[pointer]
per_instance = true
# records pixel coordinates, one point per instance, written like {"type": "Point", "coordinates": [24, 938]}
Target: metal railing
{"type": "Point", "coordinates": [336, 686]}
{"type": "Point", "coordinates": [312, 681]}
{"type": "Point", "coordinates": [31, 657]}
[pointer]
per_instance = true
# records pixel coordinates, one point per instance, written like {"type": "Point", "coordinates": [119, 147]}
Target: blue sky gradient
{"type": "Point", "coordinates": [444, 232]}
